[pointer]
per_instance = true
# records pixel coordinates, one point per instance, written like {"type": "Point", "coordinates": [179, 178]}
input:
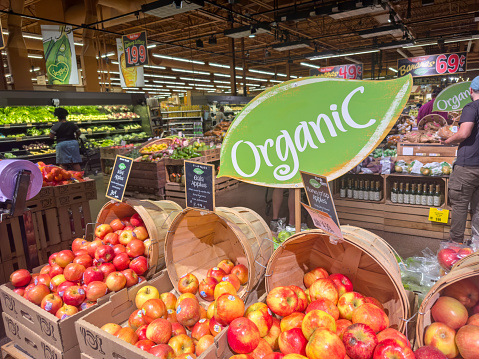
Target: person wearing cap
{"type": "Point", "coordinates": [426, 109]}
{"type": "Point", "coordinates": [464, 181]}
{"type": "Point", "coordinates": [66, 133]}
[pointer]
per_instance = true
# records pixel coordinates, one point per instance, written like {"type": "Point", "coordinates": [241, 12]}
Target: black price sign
{"type": "Point", "coordinates": [135, 48]}
{"type": "Point", "coordinates": [347, 72]}
{"type": "Point", "coordinates": [319, 194]}
{"type": "Point", "coordinates": [119, 178]}
{"type": "Point", "coordinates": [433, 65]}
{"type": "Point", "coordinates": [200, 188]}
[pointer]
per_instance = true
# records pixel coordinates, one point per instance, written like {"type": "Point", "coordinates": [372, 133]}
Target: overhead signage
{"type": "Point", "coordinates": [119, 178]}
{"type": "Point", "coordinates": [135, 48]}
{"type": "Point", "coordinates": [199, 185]}
{"type": "Point", "coordinates": [129, 76]}
{"type": "Point", "coordinates": [319, 195]}
{"type": "Point", "coordinates": [2, 40]}
{"type": "Point", "coordinates": [60, 56]}
{"type": "Point", "coordinates": [347, 72]}
{"type": "Point", "coordinates": [453, 98]}
{"type": "Point", "coordinates": [433, 65]}
{"type": "Point", "coordinates": [340, 123]}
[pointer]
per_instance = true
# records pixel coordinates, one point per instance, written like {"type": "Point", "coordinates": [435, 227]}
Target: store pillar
{"type": "Point", "coordinates": [88, 57]}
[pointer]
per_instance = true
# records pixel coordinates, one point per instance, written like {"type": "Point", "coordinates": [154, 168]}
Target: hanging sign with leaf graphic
{"type": "Point", "coordinates": [318, 125]}
{"type": "Point", "coordinates": [60, 57]}
{"type": "Point", "coordinates": [199, 185]}
{"type": "Point", "coordinates": [119, 178]}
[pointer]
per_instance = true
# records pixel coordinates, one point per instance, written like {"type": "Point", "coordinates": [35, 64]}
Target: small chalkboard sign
{"type": "Point", "coordinates": [319, 194]}
{"type": "Point", "coordinates": [200, 185]}
{"type": "Point", "coordinates": [119, 178]}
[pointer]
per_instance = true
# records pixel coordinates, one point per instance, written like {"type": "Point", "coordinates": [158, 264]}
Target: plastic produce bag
{"type": "Point", "coordinates": [386, 165]}
{"type": "Point", "coordinates": [415, 167]}
{"type": "Point", "coordinates": [400, 166]}
{"type": "Point", "coordinates": [451, 252]}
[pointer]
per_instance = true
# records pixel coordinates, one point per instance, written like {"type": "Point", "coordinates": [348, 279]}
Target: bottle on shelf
{"type": "Point", "coordinates": [372, 192]}
{"type": "Point", "coordinates": [430, 196]}
{"type": "Point", "coordinates": [394, 193]}
{"type": "Point", "coordinates": [350, 188]}
{"type": "Point", "coordinates": [401, 193]}
{"type": "Point", "coordinates": [356, 190]}
{"type": "Point", "coordinates": [361, 190]}
{"type": "Point", "coordinates": [424, 195]}
{"type": "Point", "coordinates": [342, 189]}
{"type": "Point", "coordinates": [406, 194]}
{"type": "Point", "coordinates": [437, 196]}
{"type": "Point", "coordinates": [419, 194]}
{"type": "Point", "coordinates": [366, 191]}
{"type": "Point", "coordinates": [377, 193]}
{"type": "Point", "coordinates": [412, 194]}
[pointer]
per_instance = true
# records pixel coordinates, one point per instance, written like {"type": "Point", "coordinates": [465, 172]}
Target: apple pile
{"type": "Point", "coordinates": [179, 327]}
{"type": "Point", "coordinates": [74, 279]}
{"type": "Point", "coordinates": [455, 331]}
{"type": "Point", "coordinates": [449, 255]}
{"type": "Point", "coordinates": [328, 320]}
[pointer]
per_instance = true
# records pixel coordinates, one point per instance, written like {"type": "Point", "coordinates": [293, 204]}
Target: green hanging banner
{"type": "Point", "coordinates": [453, 98]}
{"type": "Point", "coordinates": [318, 125]}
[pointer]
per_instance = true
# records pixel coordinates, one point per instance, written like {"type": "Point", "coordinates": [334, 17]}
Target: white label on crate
{"type": "Point", "coordinates": [434, 154]}
{"type": "Point", "coordinates": [421, 154]}
{"type": "Point", "coordinates": [407, 151]}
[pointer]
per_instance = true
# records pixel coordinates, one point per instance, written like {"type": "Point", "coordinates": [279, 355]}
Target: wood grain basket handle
{"type": "Point", "coordinates": [93, 225]}
{"type": "Point", "coordinates": [263, 273]}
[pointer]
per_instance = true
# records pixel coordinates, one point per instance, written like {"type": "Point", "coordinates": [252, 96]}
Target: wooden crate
{"type": "Point", "coordinates": [171, 162]}
{"type": "Point", "coordinates": [10, 266]}
{"type": "Point", "coordinates": [11, 245]}
{"type": "Point", "coordinates": [211, 155]}
{"type": "Point", "coordinates": [177, 190]}
{"type": "Point", "coordinates": [425, 150]}
{"type": "Point", "coordinates": [73, 220]}
{"type": "Point", "coordinates": [47, 228]}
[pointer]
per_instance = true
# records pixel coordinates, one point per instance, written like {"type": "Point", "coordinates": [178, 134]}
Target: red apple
{"type": "Point", "coordinates": [261, 350]}
{"type": "Point", "coordinates": [473, 320]}
{"type": "Point", "coordinates": [447, 257]}
{"type": "Point", "coordinates": [326, 306]}
{"type": "Point", "coordinates": [73, 272]}
{"type": "Point", "coordinates": [141, 332]}
{"type": "Point", "coordinates": [341, 326]}
{"type": "Point", "coordinates": [147, 243]}
{"type": "Point", "coordinates": [135, 248]}
{"type": "Point", "coordinates": [390, 333]}
{"type": "Point", "coordinates": [139, 265]}
{"type": "Point", "coordinates": [342, 282]}
{"type": "Point", "coordinates": [216, 273]}
{"type": "Point", "coordinates": [55, 270]}
{"type": "Point", "coordinates": [66, 311]}
{"type": "Point", "coordinates": [51, 303]}
{"type": "Point", "coordinates": [188, 283]}
{"type": "Point", "coordinates": [203, 344]}
{"type": "Point", "coordinates": [127, 335]}
{"type": "Point", "coordinates": [177, 329]}
{"type": "Point", "coordinates": [121, 261]}
{"type": "Point", "coordinates": [34, 276]}
{"type": "Point", "coordinates": [111, 328]}
{"type": "Point", "coordinates": [429, 352]}
{"type": "Point", "coordinates": [372, 316]}
{"type": "Point", "coordinates": [292, 342]}
{"type": "Point", "coordinates": [87, 304]}
{"type": "Point", "coordinates": [42, 279]}
{"type": "Point", "coordinates": [20, 278]}
{"type": "Point", "coordinates": [273, 334]}
{"type": "Point", "coordinates": [260, 315]}
{"type": "Point", "coordinates": [140, 233]}
{"type": "Point", "coordinates": [162, 351]}
{"type": "Point", "coordinates": [145, 345]}
{"type": "Point", "coordinates": [159, 331]}
{"type": "Point", "coordinates": [52, 259]}
{"type": "Point", "coordinates": [96, 290]}
{"type": "Point", "coordinates": [64, 286]}
{"type": "Point", "coordinates": [77, 244]}
{"type": "Point", "coordinates": [119, 248]}
{"type": "Point", "coordinates": [131, 277]}
{"type": "Point", "coordinates": [464, 291]}
{"type": "Point", "coordinates": [137, 319]}
{"type": "Point", "coordinates": [111, 239]}
{"type": "Point", "coordinates": [102, 230]}
{"type": "Point", "coordinates": [273, 356]}
{"type": "Point", "coordinates": [442, 337]}
{"type": "Point", "coordinates": [20, 291]}
{"type": "Point", "coordinates": [37, 293]}
{"type": "Point", "coordinates": [325, 344]}
{"type": "Point", "coordinates": [233, 279]}
{"type": "Point", "coordinates": [348, 303]}
{"type": "Point", "coordinates": [241, 271]}
{"type": "Point", "coordinates": [243, 336]}
{"type": "Point", "coordinates": [317, 319]}
{"type": "Point", "coordinates": [324, 288]}
{"type": "Point", "coordinates": [182, 344]}
{"type": "Point", "coordinates": [126, 237]}
{"type": "Point", "coordinates": [282, 301]}
{"type": "Point", "coordinates": [64, 258]}
{"type": "Point", "coordinates": [136, 220]}
{"type": "Point", "coordinates": [169, 299]}
{"type": "Point", "coordinates": [117, 225]}
{"type": "Point", "coordinates": [80, 252]}
{"type": "Point", "coordinates": [200, 329]}
{"type": "Point", "coordinates": [104, 253]}
{"type": "Point", "coordinates": [389, 349]}
{"type": "Point", "coordinates": [154, 309]}
{"type": "Point", "coordinates": [107, 268]}
{"type": "Point", "coordinates": [92, 247]}
{"type": "Point", "coordinates": [226, 265]}
{"type": "Point", "coordinates": [74, 296]}
{"type": "Point", "coordinates": [302, 299]}
{"type": "Point", "coordinates": [313, 275]}
{"type": "Point", "coordinates": [46, 270]}
{"type": "Point", "coordinates": [215, 327]}
{"type": "Point", "coordinates": [467, 340]}
{"type": "Point", "coordinates": [115, 281]}
{"type": "Point", "coordinates": [56, 281]}
{"type": "Point", "coordinates": [359, 341]}
{"type": "Point", "coordinates": [188, 312]}
{"type": "Point", "coordinates": [449, 311]}
{"type": "Point", "coordinates": [85, 260]}
{"type": "Point", "coordinates": [294, 320]}
{"type": "Point", "coordinates": [227, 308]}
{"type": "Point", "coordinates": [92, 274]}
{"type": "Point", "coordinates": [374, 301]}
{"type": "Point", "coordinates": [207, 288]}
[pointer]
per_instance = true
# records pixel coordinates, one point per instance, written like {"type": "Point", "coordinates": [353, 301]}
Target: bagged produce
{"type": "Point", "coordinates": [446, 132]}
{"type": "Point", "coordinates": [400, 166]}
{"type": "Point", "coordinates": [387, 165]}
{"type": "Point", "coordinates": [415, 167]}
{"type": "Point", "coordinates": [451, 252]}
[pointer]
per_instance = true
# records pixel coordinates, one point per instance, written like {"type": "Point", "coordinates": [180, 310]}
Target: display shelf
{"type": "Point", "coordinates": [182, 111]}
{"type": "Point", "coordinates": [50, 124]}
{"type": "Point", "coordinates": [116, 132]}
{"type": "Point", "coordinates": [23, 138]}
{"type": "Point", "coordinates": [185, 118]}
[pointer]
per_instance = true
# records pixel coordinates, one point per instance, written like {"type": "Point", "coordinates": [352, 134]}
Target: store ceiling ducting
{"type": "Point", "coordinates": [167, 8]}
{"type": "Point", "coordinates": [393, 30]}
{"type": "Point", "coordinates": [291, 45]}
{"type": "Point", "coordinates": [355, 8]}
{"type": "Point", "coordinates": [245, 31]}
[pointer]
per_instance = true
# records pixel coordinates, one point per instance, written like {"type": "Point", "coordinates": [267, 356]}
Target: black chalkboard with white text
{"type": "Point", "coordinates": [119, 178]}
{"type": "Point", "coordinates": [200, 185]}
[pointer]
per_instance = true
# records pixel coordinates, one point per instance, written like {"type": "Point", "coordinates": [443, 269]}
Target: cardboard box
{"type": "Point", "coordinates": [33, 344]}
{"type": "Point", "coordinates": [96, 343]}
{"type": "Point", "coordinates": [59, 334]}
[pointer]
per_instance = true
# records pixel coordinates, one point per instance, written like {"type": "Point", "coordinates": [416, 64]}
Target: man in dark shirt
{"type": "Point", "coordinates": [464, 181]}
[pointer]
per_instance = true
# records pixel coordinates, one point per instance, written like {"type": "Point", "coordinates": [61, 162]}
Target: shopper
{"type": "Point", "coordinates": [220, 115]}
{"type": "Point", "coordinates": [66, 133]}
{"type": "Point", "coordinates": [276, 224]}
{"type": "Point", "coordinates": [426, 109]}
{"type": "Point", "coordinates": [464, 181]}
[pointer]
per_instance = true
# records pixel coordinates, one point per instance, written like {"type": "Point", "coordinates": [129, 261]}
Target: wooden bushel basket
{"type": "Point", "coordinates": [364, 257]}
{"type": "Point", "coordinates": [470, 260]}
{"type": "Point", "coordinates": [157, 216]}
{"type": "Point", "coordinates": [198, 240]}
{"type": "Point", "coordinates": [424, 315]}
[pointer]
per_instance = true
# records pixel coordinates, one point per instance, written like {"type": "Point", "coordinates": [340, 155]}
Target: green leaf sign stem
{"type": "Point", "coordinates": [318, 125]}
{"type": "Point", "coordinates": [453, 98]}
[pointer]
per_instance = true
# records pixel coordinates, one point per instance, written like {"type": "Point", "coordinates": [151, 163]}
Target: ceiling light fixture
{"type": "Point", "coordinates": [309, 65]}
{"type": "Point", "coordinates": [155, 67]}
{"type": "Point", "coordinates": [318, 57]}
{"type": "Point", "coordinates": [245, 31]}
{"type": "Point", "coordinates": [222, 75]}
{"type": "Point", "coordinates": [393, 69]}
{"type": "Point", "coordinates": [167, 8]}
{"type": "Point", "coordinates": [291, 45]}
{"type": "Point", "coordinates": [261, 72]}
{"type": "Point", "coordinates": [193, 79]}
{"type": "Point", "coordinates": [151, 46]}
{"type": "Point", "coordinates": [179, 59]}
{"type": "Point", "coordinates": [33, 56]}
{"type": "Point", "coordinates": [393, 30]}
{"type": "Point", "coordinates": [192, 71]}
{"type": "Point", "coordinates": [218, 65]}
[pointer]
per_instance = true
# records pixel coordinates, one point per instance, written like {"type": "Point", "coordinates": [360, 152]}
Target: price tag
{"type": "Point", "coordinates": [7, 126]}
{"type": "Point", "coordinates": [49, 124]}
{"type": "Point", "coordinates": [438, 215]}
{"type": "Point", "coordinates": [89, 121]}
{"type": "Point", "coordinates": [29, 125]}
{"type": "Point", "coordinates": [79, 122]}
{"type": "Point", "coordinates": [126, 130]}
{"type": "Point", "coordinates": [107, 131]}
{"type": "Point", "coordinates": [18, 139]}
{"type": "Point", "coordinates": [434, 155]}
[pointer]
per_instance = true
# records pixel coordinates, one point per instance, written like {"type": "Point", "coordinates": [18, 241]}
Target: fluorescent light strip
{"type": "Point", "coordinates": [223, 87]}
{"type": "Point", "coordinates": [281, 75]}
{"type": "Point", "coordinates": [203, 88]}
{"type": "Point", "coordinates": [262, 72]}
{"type": "Point", "coordinates": [192, 71]}
{"type": "Point", "coordinates": [392, 69]}
{"type": "Point", "coordinates": [155, 67]}
{"type": "Point", "coordinates": [179, 59]}
{"type": "Point", "coordinates": [151, 46]}
{"type": "Point", "coordinates": [308, 65]}
{"type": "Point", "coordinates": [239, 68]}
{"type": "Point", "coordinates": [342, 55]}
{"type": "Point", "coordinates": [221, 82]}
{"type": "Point", "coordinates": [218, 65]}
{"type": "Point", "coordinates": [192, 79]}
{"type": "Point", "coordinates": [115, 62]}
{"type": "Point", "coordinates": [35, 69]}
{"type": "Point", "coordinates": [419, 45]}
{"type": "Point", "coordinates": [33, 56]}
{"type": "Point", "coordinates": [179, 87]}
{"type": "Point", "coordinates": [168, 82]}
{"type": "Point", "coordinates": [204, 85]}
{"type": "Point", "coordinates": [294, 77]}
{"type": "Point", "coordinates": [161, 76]}
{"type": "Point", "coordinates": [276, 81]}
{"type": "Point", "coordinates": [154, 86]}
{"type": "Point", "coordinates": [222, 75]}
{"type": "Point", "coordinates": [130, 88]}
{"type": "Point", "coordinates": [255, 79]}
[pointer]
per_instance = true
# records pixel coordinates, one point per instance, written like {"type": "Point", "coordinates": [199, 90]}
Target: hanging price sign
{"type": "Point", "coordinates": [348, 72]}
{"type": "Point", "coordinates": [433, 65]}
{"type": "Point", "coordinates": [438, 215]}
{"type": "Point", "coordinates": [135, 49]}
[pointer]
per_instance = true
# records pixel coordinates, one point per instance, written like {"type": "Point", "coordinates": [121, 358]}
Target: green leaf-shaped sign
{"type": "Point", "coordinates": [317, 125]}
{"type": "Point", "coordinates": [453, 98]}
{"type": "Point", "coordinates": [122, 166]}
{"type": "Point", "coordinates": [198, 171]}
{"type": "Point", "coordinates": [314, 183]}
